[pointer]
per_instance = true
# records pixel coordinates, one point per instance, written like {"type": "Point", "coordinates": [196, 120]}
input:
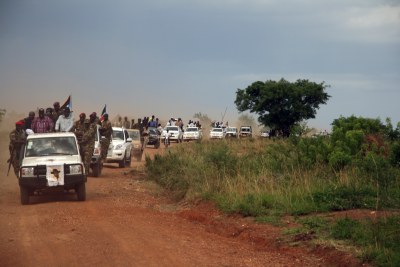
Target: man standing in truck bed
{"type": "Point", "coordinates": [106, 132]}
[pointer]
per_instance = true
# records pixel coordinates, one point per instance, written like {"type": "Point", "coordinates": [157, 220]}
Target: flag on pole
{"type": "Point", "coordinates": [104, 111]}
{"type": "Point", "coordinates": [68, 103]}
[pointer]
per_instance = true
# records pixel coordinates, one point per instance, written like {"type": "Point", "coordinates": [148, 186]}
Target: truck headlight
{"type": "Point", "coordinates": [75, 169]}
{"type": "Point", "coordinates": [27, 171]}
{"type": "Point", "coordinates": [118, 147]}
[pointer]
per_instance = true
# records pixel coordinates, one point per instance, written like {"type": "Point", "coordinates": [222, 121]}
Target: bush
{"type": "Point", "coordinates": [380, 238]}
{"type": "Point", "coordinates": [344, 198]}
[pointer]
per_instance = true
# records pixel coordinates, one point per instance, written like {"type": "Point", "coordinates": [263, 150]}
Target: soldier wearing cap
{"type": "Point", "coordinates": [17, 139]}
{"type": "Point", "coordinates": [79, 127]}
{"type": "Point", "coordinates": [88, 140]}
{"type": "Point", "coordinates": [106, 132]}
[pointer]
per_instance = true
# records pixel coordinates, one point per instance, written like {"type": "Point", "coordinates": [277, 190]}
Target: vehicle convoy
{"type": "Point", "coordinates": [120, 148]}
{"type": "Point", "coordinates": [246, 131]}
{"type": "Point", "coordinates": [192, 133]}
{"type": "Point", "coordinates": [175, 132]}
{"type": "Point", "coordinates": [51, 161]}
{"type": "Point", "coordinates": [137, 148]}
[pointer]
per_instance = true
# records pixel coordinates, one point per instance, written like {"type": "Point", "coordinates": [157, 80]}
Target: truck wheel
{"type": "Point", "coordinates": [122, 163]}
{"type": "Point", "coordinates": [96, 170]}
{"type": "Point", "coordinates": [24, 195]}
{"type": "Point", "coordinates": [157, 145]}
{"type": "Point", "coordinates": [128, 161]}
{"type": "Point", "coordinates": [81, 191]}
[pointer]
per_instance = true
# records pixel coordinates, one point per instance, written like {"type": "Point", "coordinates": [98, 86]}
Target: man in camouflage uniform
{"type": "Point", "coordinates": [56, 112]}
{"type": "Point", "coordinates": [106, 132]}
{"type": "Point", "coordinates": [17, 139]}
{"type": "Point", "coordinates": [80, 129]}
{"type": "Point", "coordinates": [88, 140]}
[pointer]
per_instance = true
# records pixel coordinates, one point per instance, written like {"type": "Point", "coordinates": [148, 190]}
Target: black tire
{"type": "Point", "coordinates": [128, 161]}
{"type": "Point", "coordinates": [157, 145]}
{"type": "Point", "coordinates": [24, 191]}
{"type": "Point", "coordinates": [81, 191]}
{"type": "Point", "coordinates": [96, 170]}
{"type": "Point", "coordinates": [122, 163]}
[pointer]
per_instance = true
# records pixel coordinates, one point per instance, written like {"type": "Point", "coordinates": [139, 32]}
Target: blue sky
{"type": "Point", "coordinates": [179, 57]}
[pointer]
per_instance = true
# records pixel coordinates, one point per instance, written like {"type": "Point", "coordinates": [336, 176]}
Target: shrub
{"type": "Point", "coordinates": [344, 198]}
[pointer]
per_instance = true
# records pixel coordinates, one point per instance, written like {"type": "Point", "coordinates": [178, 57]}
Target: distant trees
{"type": "Point", "coordinates": [282, 104]}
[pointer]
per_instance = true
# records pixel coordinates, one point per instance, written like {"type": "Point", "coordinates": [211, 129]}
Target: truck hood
{"type": "Point", "coordinates": [51, 160]}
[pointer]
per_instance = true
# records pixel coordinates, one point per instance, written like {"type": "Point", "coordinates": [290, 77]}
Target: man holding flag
{"type": "Point", "coordinates": [58, 110]}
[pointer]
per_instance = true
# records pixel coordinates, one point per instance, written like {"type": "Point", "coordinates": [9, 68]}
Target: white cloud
{"type": "Point", "coordinates": [378, 24]}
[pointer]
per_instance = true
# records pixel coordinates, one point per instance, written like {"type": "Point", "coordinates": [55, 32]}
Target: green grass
{"type": "Point", "coordinates": [267, 179]}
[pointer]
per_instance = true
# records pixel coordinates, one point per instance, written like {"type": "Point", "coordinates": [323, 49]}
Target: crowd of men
{"type": "Point", "coordinates": [60, 119]}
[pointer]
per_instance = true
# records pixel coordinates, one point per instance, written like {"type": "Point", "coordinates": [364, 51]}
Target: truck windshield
{"type": "Point", "coordinates": [38, 147]}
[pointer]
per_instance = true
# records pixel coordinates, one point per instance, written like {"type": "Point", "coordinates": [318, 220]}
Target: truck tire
{"type": "Point", "coordinates": [96, 170]}
{"type": "Point", "coordinates": [128, 161]}
{"type": "Point", "coordinates": [24, 195]}
{"type": "Point", "coordinates": [122, 163]}
{"type": "Point", "coordinates": [81, 191]}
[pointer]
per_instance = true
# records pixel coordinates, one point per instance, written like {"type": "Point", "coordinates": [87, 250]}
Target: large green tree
{"type": "Point", "coordinates": [281, 104]}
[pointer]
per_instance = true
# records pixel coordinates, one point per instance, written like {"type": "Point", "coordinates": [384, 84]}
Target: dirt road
{"type": "Point", "coordinates": [127, 221]}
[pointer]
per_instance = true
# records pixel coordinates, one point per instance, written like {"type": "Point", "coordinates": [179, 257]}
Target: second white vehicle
{"type": "Point", "coordinates": [175, 133]}
{"type": "Point", "coordinates": [120, 148]}
{"type": "Point", "coordinates": [192, 133]}
{"type": "Point", "coordinates": [217, 133]}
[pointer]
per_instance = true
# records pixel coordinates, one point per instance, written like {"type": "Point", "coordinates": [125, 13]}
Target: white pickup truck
{"type": "Point", "coordinates": [51, 161]}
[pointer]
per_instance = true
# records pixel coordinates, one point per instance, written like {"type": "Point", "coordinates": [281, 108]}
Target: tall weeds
{"type": "Point", "coordinates": [279, 174]}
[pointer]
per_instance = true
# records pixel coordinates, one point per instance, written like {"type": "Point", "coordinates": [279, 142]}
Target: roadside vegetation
{"type": "Point", "coordinates": [356, 167]}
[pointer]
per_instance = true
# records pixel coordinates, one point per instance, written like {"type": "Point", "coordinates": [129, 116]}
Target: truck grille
{"type": "Point", "coordinates": [41, 170]}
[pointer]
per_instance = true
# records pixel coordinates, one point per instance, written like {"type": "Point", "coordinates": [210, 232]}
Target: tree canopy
{"type": "Point", "coordinates": [281, 104]}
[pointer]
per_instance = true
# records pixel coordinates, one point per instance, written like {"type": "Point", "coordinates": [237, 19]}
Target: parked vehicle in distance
{"type": "Point", "coordinates": [137, 148]}
{"type": "Point", "coordinates": [51, 161]}
{"type": "Point", "coordinates": [231, 132]}
{"type": "Point", "coordinates": [175, 132]}
{"type": "Point", "coordinates": [217, 133]}
{"type": "Point", "coordinates": [153, 137]}
{"type": "Point", "coordinates": [264, 134]}
{"type": "Point", "coordinates": [246, 131]}
{"type": "Point", "coordinates": [95, 163]}
{"type": "Point", "coordinates": [120, 148]}
{"type": "Point", "coordinates": [192, 133]}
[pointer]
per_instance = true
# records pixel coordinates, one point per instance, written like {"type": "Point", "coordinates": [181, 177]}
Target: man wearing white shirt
{"type": "Point", "coordinates": [65, 121]}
